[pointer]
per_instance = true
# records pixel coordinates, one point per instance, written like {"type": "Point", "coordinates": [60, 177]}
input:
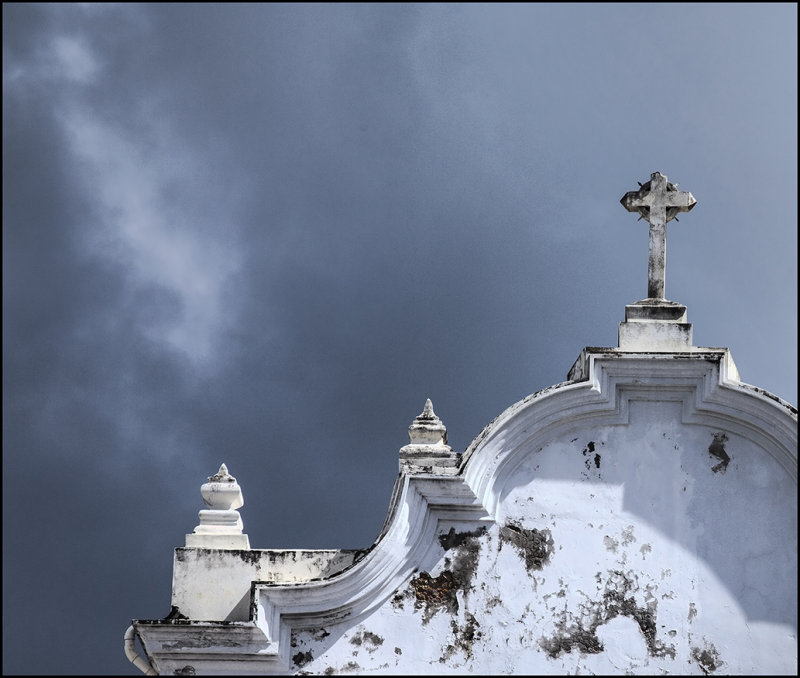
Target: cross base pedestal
{"type": "Point", "coordinates": [655, 325]}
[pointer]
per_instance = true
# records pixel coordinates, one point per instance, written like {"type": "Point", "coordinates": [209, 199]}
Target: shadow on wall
{"type": "Point", "coordinates": [719, 496]}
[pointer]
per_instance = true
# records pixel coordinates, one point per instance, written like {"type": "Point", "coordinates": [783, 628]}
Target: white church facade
{"type": "Point", "coordinates": [640, 517]}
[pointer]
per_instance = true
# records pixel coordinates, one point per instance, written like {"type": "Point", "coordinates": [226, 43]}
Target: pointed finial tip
{"type": "Point", "coordinates": [222, 476]}
{"type": "Point", "coordinates": [427, 428]}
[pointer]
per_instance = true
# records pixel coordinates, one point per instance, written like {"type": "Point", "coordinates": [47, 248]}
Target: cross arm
{"type": "Point", "coordinates": [658, 194]}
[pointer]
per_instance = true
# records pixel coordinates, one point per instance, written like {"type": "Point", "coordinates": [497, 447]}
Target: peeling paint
{"type": "Point", "coordinates": [467, 547]}
{"type": "Point", "coordinates": [535, 546]}
{"type": "Point", "coordinates": [494, 601]}
{"type": "Point", "coordinates": [439, 593]}
{"type": "Point", "coordinates": [350, 667]}
{"type": "Point", "coordinates": [370, 641]}
{"type": "Point", "coordinates": [707, 659]}
{"type": "Point", "coordinates": [627, 535]}
{"type": "Point", "coordinates": [302, 658]}
{"type": "Point", "coordinates": [569, 638]}
{"type": "Point", "coordinates": [579, 631]}
{"type": "Point", "coordinates": [435, 593]}
{"type": "Point", "coordinates": [398, 600]}
{"type": "Point", "coordinates": [463, 638]}
{"type": "Point", "coordinates": [187, 670]}
{"type": "Point", "coordinates": [192, 642]}
{"type": "Point", "coordinates": [319, 634]}
{"type": "Point", "coordinates": [618, 601]}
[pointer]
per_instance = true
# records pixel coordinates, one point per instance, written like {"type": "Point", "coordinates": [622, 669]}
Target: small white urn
{"type": "Point", "coordinates": [222, 492]}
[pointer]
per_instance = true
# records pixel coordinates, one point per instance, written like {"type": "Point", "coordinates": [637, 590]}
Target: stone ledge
{"type": "Point", "coordinates": [580, 368]}
{"type": "Point", "coordinates": [656, 310]}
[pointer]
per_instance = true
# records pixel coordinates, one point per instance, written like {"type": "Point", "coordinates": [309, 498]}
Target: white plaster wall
{"type": "Point", "coordinates": [214, 584]}
{"type": "Point", "coordinates": [617, 548]}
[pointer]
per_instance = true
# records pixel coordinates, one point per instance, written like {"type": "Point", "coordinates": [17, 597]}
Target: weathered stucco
{"type": "Point", "coordinates": [639, 518]}
{"type": "Point", "coordinates": [214, 584]}
{"type": "Point", "coordinates": [623, 548]}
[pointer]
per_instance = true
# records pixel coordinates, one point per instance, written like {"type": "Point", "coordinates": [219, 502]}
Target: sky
{"type": "Point", "coordinates": [264, 234]}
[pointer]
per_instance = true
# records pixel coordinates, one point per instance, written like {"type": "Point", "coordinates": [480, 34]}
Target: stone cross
{"type": "Point", "coordinates": [658, 201]}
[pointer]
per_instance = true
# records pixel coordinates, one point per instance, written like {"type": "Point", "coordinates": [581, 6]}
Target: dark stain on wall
{"type": "Point", "coordinates": [617, 603]}
{"type": "Point", "coordinates": [571, 637]}
{"type": "Point", "coordinates": [350, 667]}
{"type": "Point", "coordinates": [175, 613]}
{"type": "Point", "coordinates": [370, 641]}
{"type": "Point", "coordinates": [717, 449]}
{"type": "Point", "coordinates": [399, 599]}
{"type": "Point", "coordinates": [535, 546]}
{"type": "Point", "coordinates": [200, 639]}
{"type": "Point", "coordinates": [439, 593]}
{"type": "Point", "coordinates": [435, 594]}
{"type": "Point", "coordinates": [707, 659]}
{"type": "Point", "coordinates": [302, 658]}
{"type": "Point", "coordinates": [463, 637]}
{"type": "Point", "coordinates": [587, 452]}
{"type": "Point", "coordinates": [617, 600]}
{"type": "Point", "coordinates": [466, 547]}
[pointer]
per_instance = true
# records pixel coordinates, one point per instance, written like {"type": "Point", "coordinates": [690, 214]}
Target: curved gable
{"type": "Point", "coordinates": [642, 518]}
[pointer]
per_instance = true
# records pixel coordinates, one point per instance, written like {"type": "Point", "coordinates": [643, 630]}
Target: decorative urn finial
{"type": "Point", "coordinates": [427, 450]}
{"type": "Point", "coordinates": [427, 428]}
{"type": "Point", "coordinates": [222, 492]}
{"type": "Point", "coordinates": [220, 525]}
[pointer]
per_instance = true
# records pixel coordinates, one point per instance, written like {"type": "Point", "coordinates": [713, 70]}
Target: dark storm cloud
{"type": "Point", "coordinates": [76, 319]}
{"type": "Point", "coordinates": [264, 234]}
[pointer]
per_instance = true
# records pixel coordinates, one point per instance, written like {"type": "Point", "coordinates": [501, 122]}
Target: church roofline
{"type": "Point", "coordinates": [698, 380]}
